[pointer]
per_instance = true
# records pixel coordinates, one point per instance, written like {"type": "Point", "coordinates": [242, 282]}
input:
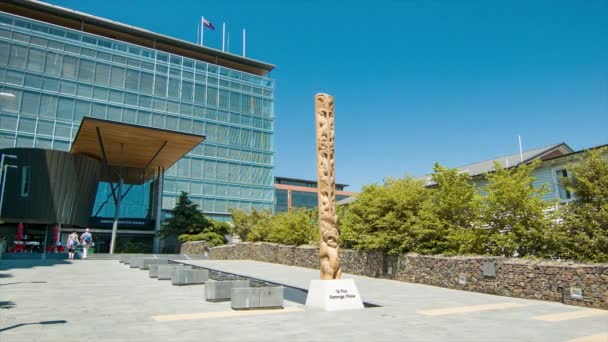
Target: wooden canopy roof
{"type": "Point", "coordinates": [138, 150]}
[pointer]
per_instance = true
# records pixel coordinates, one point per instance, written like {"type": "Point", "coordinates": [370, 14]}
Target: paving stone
{"type": "Point", "coordinates": [101, 300]}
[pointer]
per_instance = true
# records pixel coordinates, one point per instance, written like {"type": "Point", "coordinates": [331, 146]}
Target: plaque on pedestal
{"type": "Point", "coordinates": [331, 295]}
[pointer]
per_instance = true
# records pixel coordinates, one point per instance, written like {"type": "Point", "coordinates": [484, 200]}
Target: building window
{"type": "Point", "coordinates": [25, 181]}
{"type": "Point", "coordinates": [562, 192]}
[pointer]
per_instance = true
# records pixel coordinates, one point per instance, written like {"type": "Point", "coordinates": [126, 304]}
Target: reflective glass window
{"type": "Point", "coordinates": [8, 122]}
{"type": "Point", "coordinates": [48, 106]}
{"type": "Point", "coordinates": [70, 65]}
{"type": "Point", "coordinates": [117, 78]}
{"type": "Point", "coordinates": [62, 130]}
{"type": "Point", "coordinates": [30, 103]}
{"type": "Point", "coordinates": [18, 56]}
{"type": "Point", "coordinates": [35, 61]}
{"type": "Point", "coordinates": [46, 143]}
{"type": "Point", "coordinates": [102, 74]}
{"type": "Point", "coordinates": [27, 125]}
{"type": "Point", "coordinates": [45, 127]}
{"type": "Point", "coordinates": [25, 141]}
{"type": "Point", "coordinates": [65, 108]}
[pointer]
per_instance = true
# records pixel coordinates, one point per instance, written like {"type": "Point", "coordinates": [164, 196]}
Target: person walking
{"type": "Point", "coordinates": [72, 243]}
{"type": "Point", "coordinates": [86, 239]}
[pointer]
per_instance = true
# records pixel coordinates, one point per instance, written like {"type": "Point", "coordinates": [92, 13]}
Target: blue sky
{"type": "Point", "coordinates": [415, 82]}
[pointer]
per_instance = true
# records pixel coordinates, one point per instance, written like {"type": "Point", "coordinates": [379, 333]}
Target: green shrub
{"type": "Point", "coordinates": [512, 213]}
{"type": "Point", "coordinates": [131, 247]}
{"type": "Point", "coordinates": [290, 228]}
{"type": "Point", "coordinates": [449, 220]}
{"type": "Point", "coordinates": [382, 217]}
{"type": "Point", "coordinates": [246, 222]}
{"type": "Point", "coordinates": [188, 223]}
{"type": "Point", "coordinates": [583, 234]}
{"type": "Point", "coordinates": [297, 227]}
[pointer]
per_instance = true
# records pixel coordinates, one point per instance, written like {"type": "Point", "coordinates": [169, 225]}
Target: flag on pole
{"type": "Point", "coordinates": [208, 24]}
{"type": "Point", "coordinates": [205, 23]}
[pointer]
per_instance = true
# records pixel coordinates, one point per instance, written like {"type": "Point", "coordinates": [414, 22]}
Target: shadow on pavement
{"type": "Point", "coordinates": [7, 304]}
{"type": "Point", "coordinates": [42, 322]}
{"type": "Point", "coordinates": [23, 282]}
{"type": "Point", "coordinates": [8, 264]}
{"type": "Point", "coordinates": [5, 275]}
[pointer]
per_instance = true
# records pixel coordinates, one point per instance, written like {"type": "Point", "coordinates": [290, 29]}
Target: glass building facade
{"type": "Point", "coordinates": [298, 193]}
{"type": "Point", "coordinates": [51, 77]}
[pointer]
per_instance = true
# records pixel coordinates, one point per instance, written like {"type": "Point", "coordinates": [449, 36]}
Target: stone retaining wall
{"type": "Point", "coordinates": [544, 280]}
{"type": "Point", "coordinates": [194, 248]}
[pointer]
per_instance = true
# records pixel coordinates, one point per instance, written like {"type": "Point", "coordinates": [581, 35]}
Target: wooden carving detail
{"type": "Point", "coordinates": [328, 231]}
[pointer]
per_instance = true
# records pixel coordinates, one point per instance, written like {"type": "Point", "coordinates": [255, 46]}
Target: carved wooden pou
{"type": "Point", "coordinates": [328, 231]}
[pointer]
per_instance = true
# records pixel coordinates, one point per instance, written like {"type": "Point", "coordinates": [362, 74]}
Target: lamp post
{"type": "Point", "coordinates": [2, 162]}
{"type": "Point", "coordinates": [2, 172]}
{"type": "Point", "coordinates": [5, 169]}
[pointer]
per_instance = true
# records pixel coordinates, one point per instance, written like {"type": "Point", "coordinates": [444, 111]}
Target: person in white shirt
{"type": "Point", "coordinates": [86, 239]}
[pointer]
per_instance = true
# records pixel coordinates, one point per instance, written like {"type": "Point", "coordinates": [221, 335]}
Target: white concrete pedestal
{"type": "Point", "coordinates": [331, 295]}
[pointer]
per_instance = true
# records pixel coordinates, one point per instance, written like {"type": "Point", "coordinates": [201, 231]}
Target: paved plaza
{"type": "Point", "coordinates": [103, 300]}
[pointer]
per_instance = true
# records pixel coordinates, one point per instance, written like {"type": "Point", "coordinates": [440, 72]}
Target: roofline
{"type": "Point", "coordinates": [577, 152]}
{"type": "Point", "coordinates": [530, 160]}
{"type": "Point", "coordinates": [233, 61]}
{"type": "Point", "coordinates": [500, 157]}
{"type": "Point", "coordinates": [547, 149]}
{"type": "Point", "coordinates": [305, 180]}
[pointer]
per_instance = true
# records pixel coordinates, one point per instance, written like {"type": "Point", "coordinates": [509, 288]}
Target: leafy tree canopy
{"type": "Point", "coordinates": [382, 217]}
{"type": "Point", "coordinates": [584, 232]}
{"type": "Point", "coordinates": [297, 227]}
{"type": "Point", "coordinates": [189, 224]}
{"type": "Point", "coordinates": [449, 220]}
{"type": "Point", "coordinates": [512, 212]}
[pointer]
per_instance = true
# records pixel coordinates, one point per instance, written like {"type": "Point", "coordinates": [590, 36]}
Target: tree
{"type": "Point", "coordinates": [214, 235]}
{"type": "Point", "coordinates": [188, 223]}
{"type": "Point", "coordinates": [290, 228]}
{"type": "Point", "coordinates": [584, 232]}
{"type": "Point", "coordinates": [383, 216]}
{"type": "Point", "coordinates": [449, 219]}
{"type": "Point", "coordinates": [246, 222]}
{"type": "Point", "coordinates": [297, 227]}
{"type": "Point", "coordinates": [512, 213]}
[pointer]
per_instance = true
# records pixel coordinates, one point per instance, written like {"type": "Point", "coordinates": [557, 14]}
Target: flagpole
{"type": "Point", "coordinates": [521, 154]}
{"type": "Point", "coordinates": [198, 33]}
{"type": "Point", "coordinates": [223, 36]}
{"type": "Point", "coordinates": [202, 31]}
{"type": "Point", "coordinates": [244, 43]}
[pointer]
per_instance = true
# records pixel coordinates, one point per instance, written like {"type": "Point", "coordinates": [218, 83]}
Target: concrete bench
{"type": "Point", "coordinates": [183, 276]}
{"type": "Point", "coordinates": [217, 291]}
{"type": "Point", "coordinates": [153, 270]}
{"type": "Point", "coordinates": [243, 298]}
{"type": "Point", "coordinates": [151, 261]}
{"type": "Point", "coordinates": [165, 272]}
{"type": "Point", "coordinates": [136, 262]}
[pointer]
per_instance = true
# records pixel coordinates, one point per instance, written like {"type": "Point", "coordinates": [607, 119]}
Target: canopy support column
{"type": "Point", "coordinates": [159, 209]}
{"type": "Point", "coordinates": [117, 201]}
